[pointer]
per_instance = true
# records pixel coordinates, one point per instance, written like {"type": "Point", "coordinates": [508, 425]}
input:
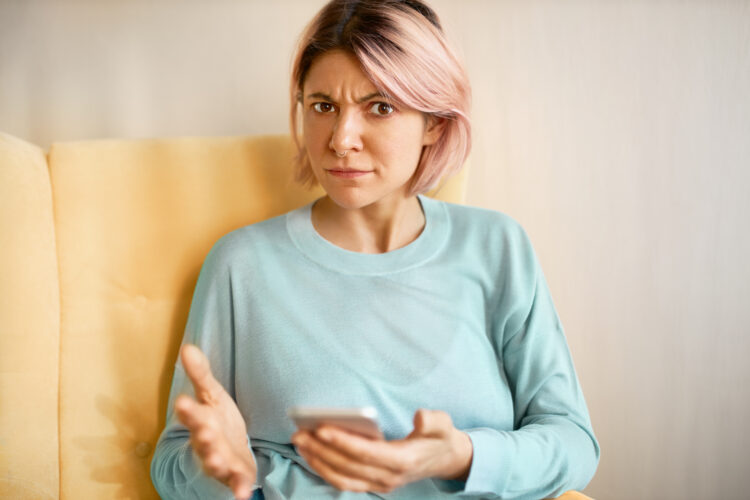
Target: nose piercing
{"type": "Point", "coordinates": [340, 155]}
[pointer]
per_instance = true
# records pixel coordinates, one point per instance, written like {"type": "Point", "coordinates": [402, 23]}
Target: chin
{"type": "Point", "coordinates": [354, 196]}
{"type": "Point", "coordinates": [351, 199]}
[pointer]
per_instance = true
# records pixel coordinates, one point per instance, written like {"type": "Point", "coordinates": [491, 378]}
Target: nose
{"type": "Point", "coordinates": [347, 132]}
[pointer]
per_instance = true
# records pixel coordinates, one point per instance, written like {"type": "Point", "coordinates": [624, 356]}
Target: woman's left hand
{"type": "Point", "coordinates": [435, 448]}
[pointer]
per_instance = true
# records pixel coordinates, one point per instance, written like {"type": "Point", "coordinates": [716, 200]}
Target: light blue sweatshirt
{"type": "Point", "coordinates": [459, 320]}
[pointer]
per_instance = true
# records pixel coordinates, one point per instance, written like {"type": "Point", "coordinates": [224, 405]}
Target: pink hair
{"type": "Point", "coordinates": [402, 49]}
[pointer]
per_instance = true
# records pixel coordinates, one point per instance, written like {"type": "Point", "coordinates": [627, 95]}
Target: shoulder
{"type": "Point", "coordinates": [250, 241]}
{"type": "Point", "coordinates": [492, 243]}
{"type": "Point", "coordinates": [486, 227]}
{"type": "Point", "coordinates": [478, 215]}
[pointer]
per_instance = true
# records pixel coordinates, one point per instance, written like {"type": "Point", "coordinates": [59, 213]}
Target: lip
{"type": "Point", "coordinates": [347, 173]}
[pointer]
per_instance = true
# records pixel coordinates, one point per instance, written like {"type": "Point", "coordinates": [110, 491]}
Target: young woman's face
{"type": "Point", "coordinates": [343, 112]}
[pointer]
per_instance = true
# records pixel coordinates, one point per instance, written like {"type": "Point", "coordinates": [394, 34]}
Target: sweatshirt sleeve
{"type": "Point", "coordinates": [175, 471]}
{"type": "Point", "coordinates": [552, 447]}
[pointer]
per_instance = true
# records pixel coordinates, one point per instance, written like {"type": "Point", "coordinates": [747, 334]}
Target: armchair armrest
{"type": "Point", "coordinates": [573, 495]}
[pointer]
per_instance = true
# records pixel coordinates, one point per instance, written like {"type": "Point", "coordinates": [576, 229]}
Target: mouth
{"type": "Point", "coordinates": [347, 173]}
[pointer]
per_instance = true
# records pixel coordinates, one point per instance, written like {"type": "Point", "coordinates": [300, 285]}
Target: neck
{"type": "Point", "coordinates": [376, 228]}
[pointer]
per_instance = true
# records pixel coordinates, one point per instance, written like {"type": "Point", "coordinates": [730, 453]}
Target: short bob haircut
{"type": "Point", "coordinates": [401, 47]}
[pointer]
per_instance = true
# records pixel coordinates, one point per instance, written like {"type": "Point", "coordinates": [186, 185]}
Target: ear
{"type": "Point", "coordinates": [433, 129]}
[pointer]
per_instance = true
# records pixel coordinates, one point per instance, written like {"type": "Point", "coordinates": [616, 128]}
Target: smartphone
{"type": "Point", "coordinates": [363, 420]}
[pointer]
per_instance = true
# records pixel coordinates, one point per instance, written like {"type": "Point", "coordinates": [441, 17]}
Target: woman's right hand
{"type": "Point", "coordinates": [218, 434]}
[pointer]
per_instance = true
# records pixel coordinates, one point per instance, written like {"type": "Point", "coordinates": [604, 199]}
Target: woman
{"type": "Point", "coordinates": [374, 295]}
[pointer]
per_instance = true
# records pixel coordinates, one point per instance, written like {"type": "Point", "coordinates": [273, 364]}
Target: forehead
{"type": "Point", "coordinates": [337, 72]}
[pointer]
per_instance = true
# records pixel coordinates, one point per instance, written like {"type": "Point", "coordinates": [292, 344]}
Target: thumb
{"type": "Point", "coordinates": [431, 422]}
{"type": "Point", "coordinates": [198, 369]}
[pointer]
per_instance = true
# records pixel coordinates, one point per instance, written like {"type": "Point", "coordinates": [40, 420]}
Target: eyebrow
{"type": "Point", "coordinates": [326, 97]}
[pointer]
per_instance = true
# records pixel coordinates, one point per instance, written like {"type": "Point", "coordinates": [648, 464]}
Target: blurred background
{"type": "Point", "coordinates": [616, 132]}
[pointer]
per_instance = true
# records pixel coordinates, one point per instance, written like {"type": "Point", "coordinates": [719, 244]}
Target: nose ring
{"type": "Point", "coordinates": [340, 155]}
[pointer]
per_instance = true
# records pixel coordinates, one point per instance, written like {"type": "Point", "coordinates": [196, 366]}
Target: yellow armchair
{"type": "Point", "coordinates": [101, 243]}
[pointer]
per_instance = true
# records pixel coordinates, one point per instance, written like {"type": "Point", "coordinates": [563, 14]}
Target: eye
{"type": "Point", "coordinates": [381, 109]}
{"type": "Point", "coordinates": [323, 107]}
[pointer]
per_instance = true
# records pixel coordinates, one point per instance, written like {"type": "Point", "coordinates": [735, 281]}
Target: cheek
{"type": "Point", "coordinates": [408, 135]}
{"type": "Point", "coordinates": [314, 135]}
{"type": "Point", "coordinates": [403, 145]}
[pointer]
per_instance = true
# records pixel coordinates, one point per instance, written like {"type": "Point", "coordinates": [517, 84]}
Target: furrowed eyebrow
{"type": "Point", "coordinates": [371, 96]}
{"type": "Point", "coordinates": [326, 97]}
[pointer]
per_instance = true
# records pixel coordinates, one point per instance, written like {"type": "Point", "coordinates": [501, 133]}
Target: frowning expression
{"type": "Point", "coordinates": [344, 113]}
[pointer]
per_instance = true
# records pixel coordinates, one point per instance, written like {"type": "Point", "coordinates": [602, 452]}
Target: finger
{"type": "Point", "coordinates": [199, 420]}
{"type": "Point", "coordinates": [215, 465]}
{"type": "Point", "coordinates": [344, 465]}
{"type": "Point", "coordinates": [299, 433]}
{"type": "Point", "coordinates": [188, 411]}
{"type": "Point", "coordinates": [223, 464]}
{"type": "Point", "coordinates": [198, 369]}
{"type": "Point", "coordinates": [335, 478]}
{"type": "Point", "coordinates": [431, 423]}
{"type": "Point", "coordinates": [241, 485]}
{"type": "Point", "coordinates": [356, 447]}
{"type": "Point", "coordinates": [217, 459]}
{"type": "Point", "coordinates": [377, 453]}
{"type": "Point", "coordinates": [408, 458]}
{"type": "Point", "coordinates": [192, 414]}
{"type": "Point", "coordinates": [209, 442]}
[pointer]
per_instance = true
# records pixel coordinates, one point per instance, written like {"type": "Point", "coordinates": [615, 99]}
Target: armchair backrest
{"type": "Point", "coordinates": [102, 245]}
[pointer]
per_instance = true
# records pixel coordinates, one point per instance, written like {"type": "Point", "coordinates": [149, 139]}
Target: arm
{"type": "Point", "coordinates": [552, 448]}
{"type": "Point", "coordinates": [207, 417]}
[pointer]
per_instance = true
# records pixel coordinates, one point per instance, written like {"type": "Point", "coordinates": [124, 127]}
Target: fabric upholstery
{"type": "Point", "coordinates": [29, 325]}
{"type": "Point", "coordinates": [573, 495]}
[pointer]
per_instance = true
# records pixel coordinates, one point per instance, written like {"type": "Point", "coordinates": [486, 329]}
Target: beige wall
{"type": "Point", "coordinates": [616, 132]}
